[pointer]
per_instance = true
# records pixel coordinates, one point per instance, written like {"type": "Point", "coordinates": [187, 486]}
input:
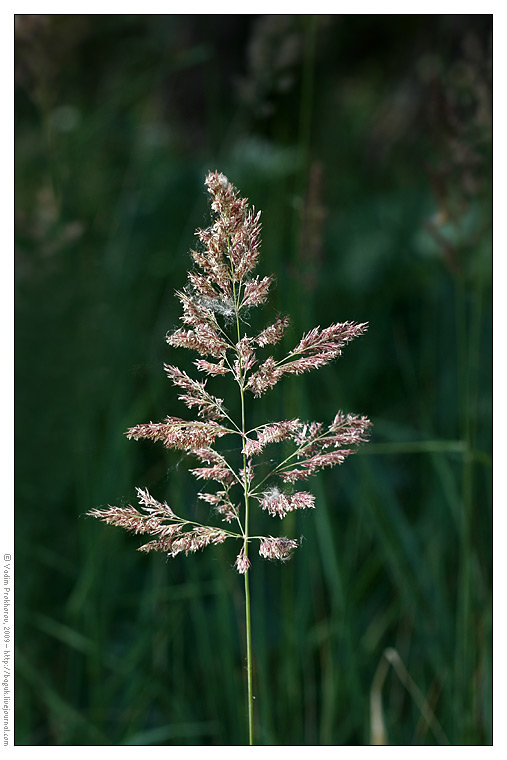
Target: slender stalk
{"type": "Point", "coordinates": [248, 624]}
{"type": "Point", "coordinates": [247, 595]}
{"type": "Point", "coordinates": [249, 659]}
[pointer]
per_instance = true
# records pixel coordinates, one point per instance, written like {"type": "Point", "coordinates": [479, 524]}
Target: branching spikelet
{"type": "Point", "coordinates": [277, 548]}
{"type": "Point", "coordinates": [220, 287]}
{"type": "Point", "coordinates": [175, 433]}
{"type": "Point", "coordinates": [278, 431]}
{"type": "Point", "coordinates": [208, 405]}
{"type": "Point", "coordinates": [256, 291]}
{"type": "Point", "coordinates": [210, 368]}
{"type": "Point", "coordinates": [242, 563]}
{"type": "Point", "coordinates": [274, 333]}
{"type": "Point", "coordinates": [279, 504]}
{"type": "Point", "coordinates": [204, 339]}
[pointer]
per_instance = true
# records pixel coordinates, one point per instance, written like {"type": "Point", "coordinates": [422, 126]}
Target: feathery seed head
{"type": "Point", "coordinates": [219, 289]}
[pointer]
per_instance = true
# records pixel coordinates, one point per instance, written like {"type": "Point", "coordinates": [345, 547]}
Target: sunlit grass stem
{"type": "Point", "coordinates": [247, 581]}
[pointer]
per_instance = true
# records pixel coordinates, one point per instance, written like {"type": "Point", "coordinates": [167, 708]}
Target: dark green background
{"type": "Point", "coordinates": [366, 142]}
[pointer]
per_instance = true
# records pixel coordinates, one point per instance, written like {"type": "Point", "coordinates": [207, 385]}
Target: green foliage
{"type": "Point", "coordinates": [118, 120]}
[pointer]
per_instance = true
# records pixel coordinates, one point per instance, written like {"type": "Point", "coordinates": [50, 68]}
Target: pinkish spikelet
{"type": "Point", "coordinates": [196, 539]}
{"type": "Point", "coordinates": [210, 261]}
{"type": "Point", "coordinates": [246, 357]}
{"type": "Point", "coordinates": [348, 429]}
{"type": "Point", "coordinates": [204, 339]}
{"type": "Point", "coordinates": [315, 349]}
{"type": "Point", "coordinates": [208, 405]}
{"type": "Point", "coordinates": [329, 459]}
{"type": "Point", "coordinates": [277, 548]}
{"type": "Point", "coordinates": [211, 498]}
{"type": "Point", "coordinates": [202, 287]}
{"type": "Point", "coordinates": [307, 363]}
{"type": "Point", "coordinates": [278, 431]}
{"type": "Point", "coordinates": [227, 512]}
{"type": "Point", "coordinates": [246, 245]}
{"type": "Point", "coordinates": [194, 310]}
{"type": "Point", "coordinates": [330, 338]}
{"type": "Point", "coordinates": [131, 519]}
{"type": "Point", "coordinates": [313, 464]}
{"type": "Point", "coordinates": [273, 333]}
{"type": "Point", "coordinates": [220, 474]}
{"type": "Point", "coordinates": [210, 456]}
{"type": "Point", "coordinates": [251, 447]}
{"type": "Point", "coordinates": [292, 476]}
{"type": "Point", "coordinates": [279, 504]}
{"type": "Point", "coordinates": [319, 347]}
{"type": "Point", "coordinates": [222, 504]}
{"type": "Point", "coordinates": [236, 229]}
{"type": "Point", "coordinates": [256, 291]}
{"type": "Point", "coordinates": [175, 433]}
{"type": "Point", "coordinates": [127, 517]}
{"type": "Point", "coordinates": [242, 563]}
{"type": "Point", "coordinates": [161, 544]}
{"type": "Point", "coordinates": [302, 500]}
{"type": "Point", "coordinates": [345, 430]}
{"type": "Point", "coordinates": [210, 368]}
{"type": "Point", "coordinates": [219, 470]}
{"type": "Point", "coordinates": [266, 377]}
{"type": "Point", "coordinates": [150, 504]}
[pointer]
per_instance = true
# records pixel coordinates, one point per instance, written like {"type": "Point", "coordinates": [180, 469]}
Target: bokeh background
{"type": "Point", "coordinates": [366, 142]}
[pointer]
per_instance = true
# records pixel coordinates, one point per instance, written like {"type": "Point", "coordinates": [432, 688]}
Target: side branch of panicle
{"type": "Point", "coordinates": [222, 504]}
{"type": "Point", "coordinates": [211, 368]}
{"type": "Point", "coordinates": [314, 350]}
{"type": "Point", "coordinates": [196, 396]}
{"type": "Point", "coordinates": [268, 374]}
{"type": "Point", "coordinates": [217, 468]}
{"type": "Point", "coordinates": [278, 431]}
{"type": "Point", "coordinates": [310, 466]}
{"type": "Point", "coordinates": [128, 517]}
{"type": "Point", "coordinates": [196, 310]}
{"type": "Point", "coordinates": [198, 538]}
{"type": "Point", "coordinates": [255, 291]}
{"type": "Point", "coordinates": [203, 338]}
{"type": "Point", "coordinates": [318, 447]}
{"type": "Point", "coordinates": [175, 433]}
{"type": "Point", "coordinates": [331, 339]}
{"type": "Point", "coordinates": [279, 504]}
{"type": "Point", "coordinates": [172, 533]}
{"type": "Point", "coordinates": [277, 548]}
{"type": "Point", "coordinates": [273, 333]}
{"type": "Point", "coordinates": [271, 433]}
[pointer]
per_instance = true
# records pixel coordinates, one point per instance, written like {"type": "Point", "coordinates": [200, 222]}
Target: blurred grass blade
{"type": "Point", "coordinates": [377, 723]}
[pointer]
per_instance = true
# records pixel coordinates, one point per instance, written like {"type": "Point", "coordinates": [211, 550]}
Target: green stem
{"type": "Point", "coordinates": [246, 537]}
{"type": "Point", "coordinates": [247, 586]}
{"type": "Point", "coordinates": [249, 659]}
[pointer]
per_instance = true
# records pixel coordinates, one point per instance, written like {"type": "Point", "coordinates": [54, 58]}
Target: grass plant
{"type": "Point", "coordinates": [217, 301]}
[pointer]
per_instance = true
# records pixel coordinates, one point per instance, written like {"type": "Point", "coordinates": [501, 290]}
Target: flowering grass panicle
{"type": "Point", "coordinates": [220, 291]}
